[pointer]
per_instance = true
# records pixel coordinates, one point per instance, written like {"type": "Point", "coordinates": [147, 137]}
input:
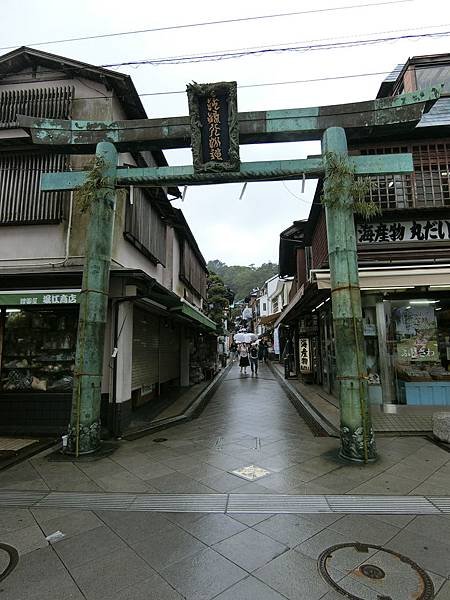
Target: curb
{"type": "Point", "coordinates": [317, 422]}
{"type": "Point", "coordinates": [192, 411]}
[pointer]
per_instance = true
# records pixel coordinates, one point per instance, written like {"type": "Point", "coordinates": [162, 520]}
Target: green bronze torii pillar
{"type": "Point", "coordinates": [357, 441]}
{"type": "Point", "coordinates": [84, 427]}
{"type": "Point", "coordinates": [357, 438]}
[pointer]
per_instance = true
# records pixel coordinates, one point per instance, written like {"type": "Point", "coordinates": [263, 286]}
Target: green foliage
{"type": "Point", "coordinates": [340, 171]}
{"type": "Point", "coordinates": [216, 299]}
{"type": "Point", "coordinates": [85, 194]}
{"type": "Point", "coordinates": [242, 280]}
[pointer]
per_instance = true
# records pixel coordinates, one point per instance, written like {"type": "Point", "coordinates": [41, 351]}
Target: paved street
{"type": "Point", "coordinates": [143, 553]}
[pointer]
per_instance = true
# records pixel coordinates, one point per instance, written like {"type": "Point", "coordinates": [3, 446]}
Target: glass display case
{"type": "Point", "coordinates": [38, 350]}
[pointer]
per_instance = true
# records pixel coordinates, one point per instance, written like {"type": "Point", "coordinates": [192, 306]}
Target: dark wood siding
{"type": "Point", "coordinates": [144, 227]}
{"type": "Point", "coordinates": [21, 200]}
{"type": "Point", "coordinates": [319, 243]}
{"type": "Point", "coordinates": [191, 271]}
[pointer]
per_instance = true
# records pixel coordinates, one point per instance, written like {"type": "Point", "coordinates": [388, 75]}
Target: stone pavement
{"type": "Point", "coordinates": [128, 555]}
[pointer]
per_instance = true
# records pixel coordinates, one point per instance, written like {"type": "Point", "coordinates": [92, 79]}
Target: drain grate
{"type": "Point", "coordinates": [82, 501]}
{"type": "Point", "coordinates": [374, 572]}
{"type": "Point", "coordinates": [237, 503]}
{"type": "Point", "coordinates": [277, 503]}
{"type": "Point", "coordinates": [207, 503]}
{"type": "Point", "coordinates": [417, 505]}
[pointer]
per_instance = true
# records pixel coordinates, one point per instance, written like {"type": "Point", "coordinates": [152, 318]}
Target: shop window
{"type": "Point", "coordinates": [38, 351]}
{"type": "Point", "coordinates": [419, 340]}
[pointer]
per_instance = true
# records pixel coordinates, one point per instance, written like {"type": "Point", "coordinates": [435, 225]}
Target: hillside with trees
{"type": "Point", "coordinates": [242, 280]}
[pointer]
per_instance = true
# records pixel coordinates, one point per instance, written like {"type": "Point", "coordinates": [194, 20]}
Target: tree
{"type": "Point", "coordinates": [243, 279]}
{"type": "Point", "coordinates": [218, 298]}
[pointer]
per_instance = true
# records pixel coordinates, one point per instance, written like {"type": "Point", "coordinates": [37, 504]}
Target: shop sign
{"type": "Point", "coordinates": [214, 126]}
{"type": "Point", "coordinates": [305, 355]}
{"type": "Point", "coordinates": [403, 231]}
{"type": "Point", "coordinates": [40, 297]}
{"type": "Point", "coordinates": [416, 332]}
{"type": "Point", "coordinates": [418, 350]}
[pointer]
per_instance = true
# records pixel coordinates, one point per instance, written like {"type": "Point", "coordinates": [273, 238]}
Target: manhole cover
{"type": "Point", "coordinates": [374, 573]}
{"type": "Point", "coordinates": [159, 440]}
{"type": "Point", "coordinates": [9, 559]}
{"type": "Point", "coordinates": [251, 473]}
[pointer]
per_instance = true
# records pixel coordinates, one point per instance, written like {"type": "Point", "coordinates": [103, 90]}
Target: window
{"type": "Point", "coordinates": [21, 199]}
{"type": "Point", "coordinates": [429, 76]}
{"type": "Point", "coordinates": [427, 187]}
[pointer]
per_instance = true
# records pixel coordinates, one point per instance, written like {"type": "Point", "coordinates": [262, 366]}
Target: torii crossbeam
{"type": "Point", "coordinates": [326, 123]}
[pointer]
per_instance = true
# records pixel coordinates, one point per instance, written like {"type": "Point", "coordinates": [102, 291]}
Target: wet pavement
{"type": "Point", "coordinates": [164, 555]}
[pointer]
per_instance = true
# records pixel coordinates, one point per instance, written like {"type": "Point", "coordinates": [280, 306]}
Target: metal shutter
{"type": "Point", "coordinates": [169, 352]}
{"type": "Point", "coordinates": [145, 349]}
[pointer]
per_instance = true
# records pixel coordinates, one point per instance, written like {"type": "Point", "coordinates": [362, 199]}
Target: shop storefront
{"type": "Point", "coordinates": [408, 348]}
{"type": "Point", "coordinates": [38, 332]}
{"type": "Point", "coordinates": [406, 326]}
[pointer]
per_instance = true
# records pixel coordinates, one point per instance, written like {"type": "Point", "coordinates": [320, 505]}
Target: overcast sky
{"type": "Point", "coordinates": [237, 231]}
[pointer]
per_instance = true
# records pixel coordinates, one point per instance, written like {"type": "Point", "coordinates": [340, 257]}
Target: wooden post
{"type": "Point", "coordinates": [357, 438]}
{"type": "Point", "coordinates": [84, 428]}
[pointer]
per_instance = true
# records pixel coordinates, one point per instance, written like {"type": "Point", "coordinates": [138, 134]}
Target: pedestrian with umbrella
{"type": "Point", "coordinates": [243, 358]}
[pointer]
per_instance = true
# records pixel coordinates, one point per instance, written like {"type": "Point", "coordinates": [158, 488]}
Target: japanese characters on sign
{"type": "Point", "coordinates": [214, 148]}
{"type": "Point", "coordinates": [404, 231]}
{"type": "Point", "coordinates": [214, 126]}
{"type": "Point", "coordinates": [304, 355]}
{"type": "Point", "coordinates": [37, 298]}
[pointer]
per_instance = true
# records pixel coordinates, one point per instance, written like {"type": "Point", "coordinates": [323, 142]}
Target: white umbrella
{"type": "Point", "coordinates": [240, 337]}
{"type": "Point", "coordinates": [250, 337]}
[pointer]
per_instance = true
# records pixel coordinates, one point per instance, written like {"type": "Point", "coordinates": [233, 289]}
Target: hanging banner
{"type": "Point", "coordinates": [214, 126]}
{"type": "Point", "coordinates": [276, 341]}
{"type": "Point", "coordinates": [304, 355]}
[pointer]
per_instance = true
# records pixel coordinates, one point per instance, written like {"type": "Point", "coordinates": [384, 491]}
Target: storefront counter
{"type": "Point", "coordinates": [424, 393]}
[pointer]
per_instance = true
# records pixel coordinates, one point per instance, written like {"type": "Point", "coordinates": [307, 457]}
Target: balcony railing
{"type": "Point", "coordinates": [427, 187]}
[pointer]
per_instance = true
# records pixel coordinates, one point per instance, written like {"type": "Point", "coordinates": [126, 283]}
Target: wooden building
{"type": "Point", "coordinates": [156, 325]}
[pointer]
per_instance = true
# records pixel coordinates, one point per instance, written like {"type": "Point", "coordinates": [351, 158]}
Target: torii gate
{"type": "Point", "coordinates": [326, 123]}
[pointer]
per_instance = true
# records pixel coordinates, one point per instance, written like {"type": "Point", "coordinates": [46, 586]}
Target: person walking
{"type": "Point", "coordinates": [263, 350]}
{"type": "Point", "coordinates": [254, 359]}
{"type": "Point", "coordinates": [243, 358]}
{"type": "Point", "coordinates": [233, 351]}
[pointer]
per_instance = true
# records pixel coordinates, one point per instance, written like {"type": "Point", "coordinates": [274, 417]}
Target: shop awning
{"type": "Point", "coordinates": [290, 307]}
{"type": "Point", "coordinates": [382, 278]}
{"type": "Point", "coordinates": [269, 319]}
{"type": "Point", "coordinates": [192, 313]}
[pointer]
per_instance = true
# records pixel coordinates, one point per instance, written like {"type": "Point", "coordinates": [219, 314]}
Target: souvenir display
{"type": "Point", "coordinates": [38, 351]}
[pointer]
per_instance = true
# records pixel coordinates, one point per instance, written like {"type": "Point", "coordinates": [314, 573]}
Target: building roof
{"type": "Point", "coordinates": [439, 113]}
{"type": "Point", "coordinates": [24, 58]}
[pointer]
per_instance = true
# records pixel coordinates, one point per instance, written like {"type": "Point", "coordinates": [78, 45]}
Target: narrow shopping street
{"type": "Point", "coordinates": [164, 518]}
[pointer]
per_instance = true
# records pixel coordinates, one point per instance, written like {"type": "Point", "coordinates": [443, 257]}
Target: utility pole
{"type": "Point", "coordinates": [84, 427]}
{"type": "Point", "coordinates": [357, 437]}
